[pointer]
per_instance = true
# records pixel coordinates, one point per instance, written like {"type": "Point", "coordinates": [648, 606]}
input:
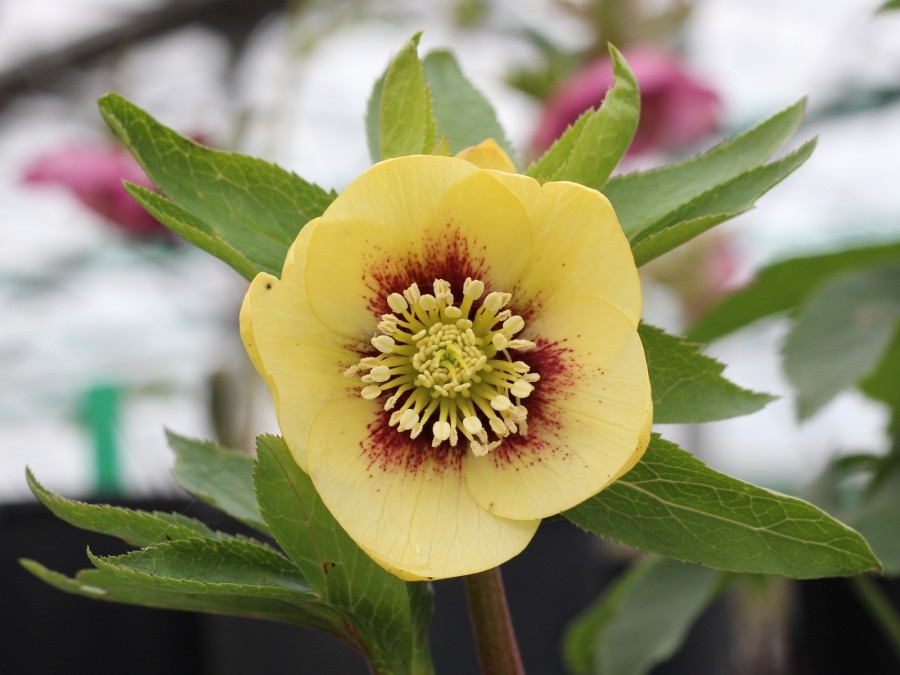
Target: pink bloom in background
{"type": "Point", "coordinates": [676, 108]}
{"type": "Point", "coordinates": [94, 174]}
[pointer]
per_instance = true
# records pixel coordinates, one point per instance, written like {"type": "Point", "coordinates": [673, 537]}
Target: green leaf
{"type": "Point", "coordinates": [197, 232]}
{"type": "Point", "coordinates": [881, 383]}
{"type": "Point", "coordinates": [783, 286]}
{"type": "Point", "coordinates": [890, 4]}
{"type": "Point", "coordinates": [877, 518]}
{"type": "Point", "coordinates": [644, 199]}
{"type": "Point", "coordinates": [389, 615]}
{"type": "Point", "coordinates": [590, 149]}
{"type": "Point", "coordinates": [674, 505]}
{"type": "Point", "coordinates": [556, 156]}
{"type": "Point", "coordinates": [462, 113]}
{"type": "Point", "coordinates": [201, 565]}
{"type": "Point", "coordinates": [841, 333]}
{"type": "Point", "coordinates": [642, 618]}
{"type": "Point", "coordinates": [688, 386]}
{"type": "Point", "coordinates": [735, 196]}
{"type": "Point", "coordinates": [220, 477]}
{"type": "Point", "coordinates": [255, 208]}
{"type": "Point", "coordinates": [138, 528]}
{"type": "Point", "coordinates": [715, 206]}
{"type": "Point", "coordinates": [236, 568]}
{"type": "Point", "coordinates": [373, 119]}
{"type": "Point", "coordinates": [654, 245]}
{"type": "Point", "coordinates": [405, 105]}
{"type": "Point", "coordinates": [205, 566]}
{"type": "Point", "coordinates": [142, 589]}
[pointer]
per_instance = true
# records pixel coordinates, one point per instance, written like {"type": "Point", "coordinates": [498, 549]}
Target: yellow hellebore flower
{"type": "Point", "coordinates": [453, 353]}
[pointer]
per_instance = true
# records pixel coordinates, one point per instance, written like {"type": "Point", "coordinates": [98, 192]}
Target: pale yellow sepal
{"type": "Point", "coordinates": [488, 155]}
{"type": "Point", "coordinates": [589, 426]}
{"type": "Point", "coordinates": [401, 502]}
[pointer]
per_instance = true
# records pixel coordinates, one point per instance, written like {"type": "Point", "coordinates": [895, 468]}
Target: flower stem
{"type": "Point", "coordinates": [495, 640]}
{"type": "Point", "coordinates": [881, 610]}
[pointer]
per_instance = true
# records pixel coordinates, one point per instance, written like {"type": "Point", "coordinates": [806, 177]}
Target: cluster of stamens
{"type": "Point", "coordinates": [450, 366]}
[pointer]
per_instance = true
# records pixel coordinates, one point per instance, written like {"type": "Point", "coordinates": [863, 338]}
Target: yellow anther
{"type": "Point", "coordinates": [383, 343]}
{"type": "Point", "coordinates": [397, 303]}
{"type": "Point", "coordinates": [501, 403]}
{"type": "Point", "coordinates": [473, 288]}
{"type": "Point", "coordinates": [521, 388]}
{"type": "Point", "coordinates": [514, 324]}
{"type": "Point", "coordinates": [427, 302]}
{"type": "Point", "coordinates": [408, 419]}
{"type": "Point", "coordinates": [371, 392]}
{"type": "Point", "coordinates": [473, 425]}
{"type": "Point", "coordinates": [441, 431]}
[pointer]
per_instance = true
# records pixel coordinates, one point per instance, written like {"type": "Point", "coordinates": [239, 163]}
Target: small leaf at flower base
{"type": "Point", "coordinates": [405, 105]}
{"type": "Point", "coordinates": [642, 618]}
{"type": "Point", "coordinates": [220, 477]}
{"type": "Point", "coordinates": [688, 386]}
{"type": "Point", "coordinates": [675, 185]}
{"type": "Point", "coordinates": [254, 207]}
{"type": "Point", "coordinates": [389, 616]}
{"type": "Point", "coordinates": [672, 504]}
{"type": "Point", "coordinates": [783, 286]}
{"type": "Point", "coordinates": [841, 333]}
{"type": "Point", "coordinates": [890, 4]}
{"type": "Point", "coordinates": [462, 113]}
{"type": "Point", "coordinates": [138, 528]}
{"type": "Point", "coordinates": [591, 148]}
{"type": "Point", "coordinates": [99, 585]}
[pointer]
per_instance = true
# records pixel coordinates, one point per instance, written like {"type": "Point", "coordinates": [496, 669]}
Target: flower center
{"type": "Point", "coordinates": [450, 365]}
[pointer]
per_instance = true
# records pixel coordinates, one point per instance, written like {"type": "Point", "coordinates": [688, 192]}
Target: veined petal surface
{"type": "Point", "coordinates": [407, 505]}
{"type": "Point", "coordinates": [301, 360]}
{"type": "Point", "coordinates": [472, 225]}
{"type": "Point", "coordinates": [579, 247]}
{"type": "Point", "coordinates": [585, 417]}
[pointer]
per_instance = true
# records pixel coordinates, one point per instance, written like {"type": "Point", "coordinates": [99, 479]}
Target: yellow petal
{"type": "Point", "coordinates": [299, 358]}
{"type": "Point", "coordinates": [588, 416]}
{"type": "Point", "coordinates": [488, 155]}
{"type": "Point", "coordinates": [469, 226]}
{"type": "Point", "coordinates": [402, 501]}
{"type": "Point", "coordinates": [579, 247]}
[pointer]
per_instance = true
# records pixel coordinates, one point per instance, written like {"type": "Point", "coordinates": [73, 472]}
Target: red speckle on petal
{"type": "Point", "coordinates": [556, 363]}
{"type": "Point", "coordinates": [448, 258]}
{"type": "Point", "coordinates": [391, 450]}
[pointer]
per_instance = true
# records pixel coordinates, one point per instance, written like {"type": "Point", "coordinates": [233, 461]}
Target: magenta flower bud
{"type": "Point", "coordinates": [677, 109]}
{"type": "Point", "coordinates": [94, 174]}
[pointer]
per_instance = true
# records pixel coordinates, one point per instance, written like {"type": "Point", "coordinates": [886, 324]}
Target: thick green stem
{"type": "Point", "coordinates": [884, 614]}
{"type": "Point", "coordinates": [495, 640]}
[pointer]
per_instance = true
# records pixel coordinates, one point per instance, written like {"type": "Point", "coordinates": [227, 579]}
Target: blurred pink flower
{"type": "Point", "coordinates": [94, 174]}
{"type": "Point", "coordinates": [677, 109]}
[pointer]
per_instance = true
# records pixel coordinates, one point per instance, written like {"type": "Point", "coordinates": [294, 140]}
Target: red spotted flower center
{"type": "Point", "coordinates": [450, 366]}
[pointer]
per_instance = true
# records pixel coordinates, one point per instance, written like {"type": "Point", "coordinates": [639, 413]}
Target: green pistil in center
{"type": "Point", "coordinates": [451, 366]}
